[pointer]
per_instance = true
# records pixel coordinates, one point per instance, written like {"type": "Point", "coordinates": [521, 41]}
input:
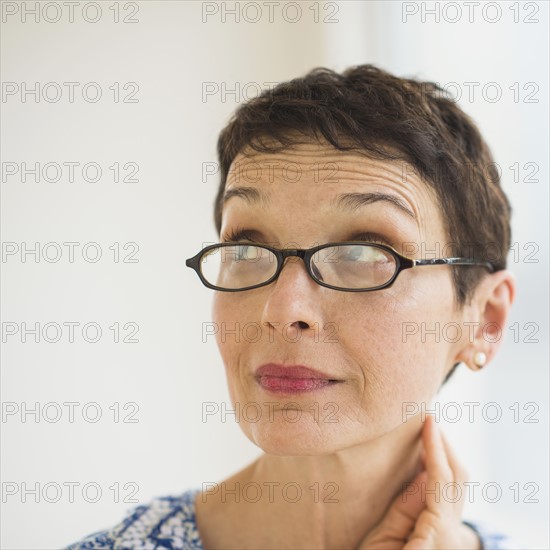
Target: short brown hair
{"type": "Point", "coordinates": [369, 110]}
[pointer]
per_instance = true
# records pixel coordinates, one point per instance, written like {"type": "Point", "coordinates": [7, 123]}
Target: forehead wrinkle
{"type": "Point", "coordinates": [352, 168]}
{"type": "Point", "coordinates": [388, 174]}
{"type": "Point", "coordinates": [348, 165]}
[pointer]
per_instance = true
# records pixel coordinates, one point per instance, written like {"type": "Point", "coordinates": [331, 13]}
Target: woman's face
{"type": "Point", "coordinates": [377, 344]}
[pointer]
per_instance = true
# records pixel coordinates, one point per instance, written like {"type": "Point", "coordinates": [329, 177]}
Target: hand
{"type": "Point", "coordinates": [420, 520]}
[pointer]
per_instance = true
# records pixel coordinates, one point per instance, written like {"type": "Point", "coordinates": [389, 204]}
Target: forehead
{"type": "Point", "coordinates": [316, 179]}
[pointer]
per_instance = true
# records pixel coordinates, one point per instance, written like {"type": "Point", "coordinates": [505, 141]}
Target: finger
{"type": "Point", "coordinates": [401, 518]}
{"type": "Point", "coordinates": [437, 465]}
{"type": "Point", "coordinates": [460, 476]}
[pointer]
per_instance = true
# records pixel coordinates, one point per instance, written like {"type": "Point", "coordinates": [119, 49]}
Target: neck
{"type": "Point", "coordinates": [325, 501]}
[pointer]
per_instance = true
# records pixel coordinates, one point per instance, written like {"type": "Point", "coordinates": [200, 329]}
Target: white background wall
{"type": "Point", "coordinates": [172, 52]}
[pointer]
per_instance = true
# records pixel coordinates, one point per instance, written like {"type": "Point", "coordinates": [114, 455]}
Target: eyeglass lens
{"type": "Point", "coordinates": [344, 266]}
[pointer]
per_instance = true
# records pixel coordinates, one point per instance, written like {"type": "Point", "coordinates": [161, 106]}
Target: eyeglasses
{"type": "Point", "coordinates": [348, 266]}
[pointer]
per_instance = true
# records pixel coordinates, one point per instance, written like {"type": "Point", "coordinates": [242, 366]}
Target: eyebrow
{"type": "Point", "coordinates": [353, 201]}
{"type": "Point", "coordinates": [250, 194]}
{"type": "Point", "coordinates": [345, 201]}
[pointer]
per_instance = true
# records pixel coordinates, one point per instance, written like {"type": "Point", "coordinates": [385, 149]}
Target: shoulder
{"type": "Point", "coordinates": [490, 538]}
{"type": "Point", "coordinates": [163, 522]}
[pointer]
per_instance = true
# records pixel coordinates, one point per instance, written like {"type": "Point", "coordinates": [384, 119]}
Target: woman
{"type": "Point", "coordinates": [366, 206]}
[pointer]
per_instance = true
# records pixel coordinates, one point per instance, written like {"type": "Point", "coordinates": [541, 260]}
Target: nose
{"type": "Point", "coordinates": [292, 307]}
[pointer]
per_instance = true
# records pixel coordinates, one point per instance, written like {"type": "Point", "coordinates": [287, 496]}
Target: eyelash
{"type": "Point", "coordinates": [372, 238]}
{"type": "Point", "coordinates": [238, 234]}
{"type": "Point", "coordinates": [241, 234]}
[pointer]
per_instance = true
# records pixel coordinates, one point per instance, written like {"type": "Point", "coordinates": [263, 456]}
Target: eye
{"type": "Point", "coordinates": [366, 254]}
{"type": "Point", "coordinates": [371, 237]}
{"type": "Point", "coordinates": [238, 234]}
{"type": "Point", "coordinates": [245, 253]}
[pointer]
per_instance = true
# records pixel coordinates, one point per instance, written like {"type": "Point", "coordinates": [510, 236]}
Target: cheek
{"type": "Point", "coordinates": [218, 307]}
{"type": "Point", "coordinates": [233, 307]}
{"type": "Point", "coordinates": [394, 365]}
{"type": "Point", "coordinates": [230, 315]}
{"type": "Point", "coordinates": [227, 320]}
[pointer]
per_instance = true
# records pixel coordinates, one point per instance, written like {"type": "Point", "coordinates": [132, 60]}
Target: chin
{"type": "Point", "coordinates": [303, 438]}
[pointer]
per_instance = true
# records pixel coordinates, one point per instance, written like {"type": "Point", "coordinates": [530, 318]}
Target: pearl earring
{"type": "Point", "coordinates": [480, 359]}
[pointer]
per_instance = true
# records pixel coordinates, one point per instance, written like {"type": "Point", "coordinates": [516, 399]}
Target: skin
{"type": "Point", "coordinates": [351, 438]}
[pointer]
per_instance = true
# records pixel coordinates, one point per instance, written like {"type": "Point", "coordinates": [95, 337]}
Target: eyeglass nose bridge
{"type": "Point", "coordinates": [305, 254]}
{"type": "Point", "coordinates": [293, 252]}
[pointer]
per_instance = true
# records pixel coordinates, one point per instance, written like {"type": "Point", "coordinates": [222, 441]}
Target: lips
{"type": "Point", "coordinates": [292, 378]}
{"type": "Point", "coordinates": [291, 371]}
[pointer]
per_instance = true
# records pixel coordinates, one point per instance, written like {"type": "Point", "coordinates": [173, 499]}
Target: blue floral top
{"type": "Point", "coordinates": [169, 522]}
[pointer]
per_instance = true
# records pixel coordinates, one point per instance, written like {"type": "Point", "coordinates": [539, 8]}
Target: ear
{"type": "Point", "coordinates": [490, 307]}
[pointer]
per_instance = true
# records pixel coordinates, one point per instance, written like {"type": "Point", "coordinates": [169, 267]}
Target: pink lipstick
{"type": "Point", "coordinates": [292, 378]}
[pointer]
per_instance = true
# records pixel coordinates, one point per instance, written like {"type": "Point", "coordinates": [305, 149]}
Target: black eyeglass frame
{"type": "Point", "coordinates": [306, 254]}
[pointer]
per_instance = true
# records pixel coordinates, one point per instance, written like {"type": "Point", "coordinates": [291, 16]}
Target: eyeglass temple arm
{"type": "Point", "coordinates": [455, 261]}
